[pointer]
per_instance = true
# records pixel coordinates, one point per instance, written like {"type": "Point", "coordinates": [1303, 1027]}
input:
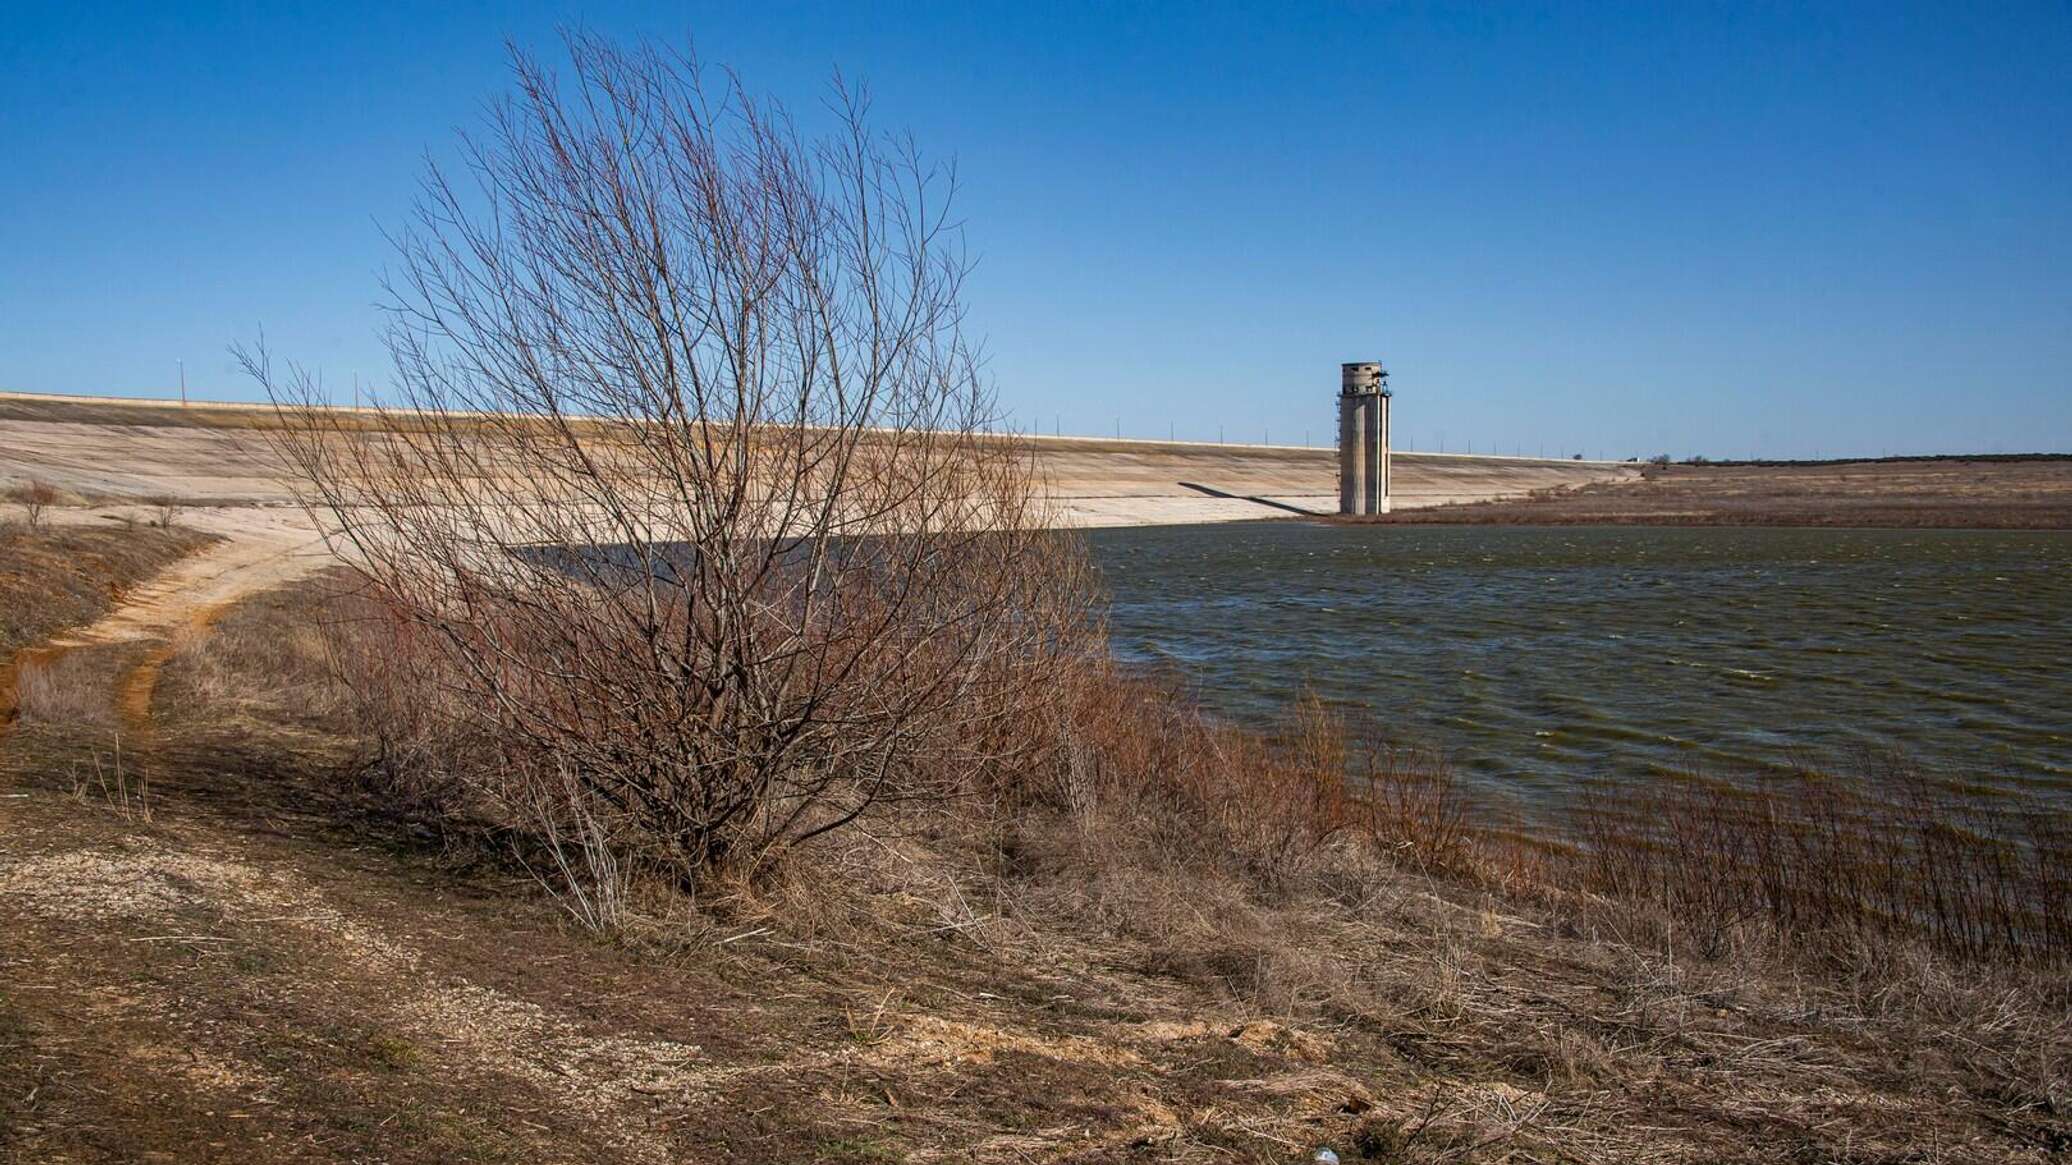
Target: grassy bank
{"type": "Point", "coordinates": [59, 576]}
{"type": "Point", "coordinates": [1172, 941]}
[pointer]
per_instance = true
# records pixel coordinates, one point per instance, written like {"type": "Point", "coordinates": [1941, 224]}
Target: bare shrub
{"type": "Point", "coordinates": [34, 497]}
{"type": "Point", "coordinates": [685, 493]}
{"type": "Point", "coordinates": [165, 509]}
{"type": "Point", "coordinates": [1413, 808]}
{"type": "Point", "coordinates": [408, 695]}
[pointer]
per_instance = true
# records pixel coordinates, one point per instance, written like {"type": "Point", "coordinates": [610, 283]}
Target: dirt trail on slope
{"type": "Point", "coordinates": [261, 549]}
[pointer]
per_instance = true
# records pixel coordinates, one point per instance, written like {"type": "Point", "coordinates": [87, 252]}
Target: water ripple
{"type": "Point", "coordinates": [1541, 657]}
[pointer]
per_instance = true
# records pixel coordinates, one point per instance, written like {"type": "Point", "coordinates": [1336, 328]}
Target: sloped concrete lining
{"type": "Point", "coordinates": [108, 449]}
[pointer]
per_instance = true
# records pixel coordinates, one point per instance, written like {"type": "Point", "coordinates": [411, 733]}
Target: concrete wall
{"type": "Point", "coordinates": [1120, 483]}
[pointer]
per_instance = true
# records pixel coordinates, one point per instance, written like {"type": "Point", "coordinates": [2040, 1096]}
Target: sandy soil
{"type": "Point", "coordinates": [259, 550]}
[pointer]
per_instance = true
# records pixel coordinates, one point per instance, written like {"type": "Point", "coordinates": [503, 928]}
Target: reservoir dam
{"type": "Point", "coordinates": [108, 449]}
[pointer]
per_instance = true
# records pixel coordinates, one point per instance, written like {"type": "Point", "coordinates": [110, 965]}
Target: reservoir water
{"type": "Point", "coordinates": [1540, 657]}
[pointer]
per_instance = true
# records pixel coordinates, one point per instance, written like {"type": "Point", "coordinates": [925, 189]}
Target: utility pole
{"type": "Point", "coordinates": [183, 383]}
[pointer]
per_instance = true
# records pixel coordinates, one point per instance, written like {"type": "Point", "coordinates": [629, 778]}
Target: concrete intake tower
{"type": "Point", "coordinates": [1363, 438]}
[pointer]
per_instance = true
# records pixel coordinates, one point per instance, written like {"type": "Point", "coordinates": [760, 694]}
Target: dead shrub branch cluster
{"type": "Point", "coordinates": [689, 508]}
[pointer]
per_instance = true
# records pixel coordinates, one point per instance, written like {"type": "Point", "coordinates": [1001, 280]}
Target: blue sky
{"type": "Point", "coordinates": [1730, 229]}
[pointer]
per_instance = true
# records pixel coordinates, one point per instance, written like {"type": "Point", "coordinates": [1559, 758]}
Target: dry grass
{"type": "Point", "coordinates": [1171, 940]}
{"type": "Point", "coordinates": [290, 657]}
{"type": "Point", "coordinates": [63, 687]}
{"type": "Point", "coordinates": [65, 576]}
{"type": "Point", "coordinates": [1883, 856]}
{"type": "Point", "coordinates": [108, 780]}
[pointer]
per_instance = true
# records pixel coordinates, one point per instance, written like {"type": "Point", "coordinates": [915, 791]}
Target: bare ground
{"type": "Point", "coordinates": [1983, 493]}
{"type": "Point", "coordinates": [218, 945]}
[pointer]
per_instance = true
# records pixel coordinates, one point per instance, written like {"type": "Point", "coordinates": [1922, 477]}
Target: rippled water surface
{"type": "Point", "coordinates": [1540, 656]}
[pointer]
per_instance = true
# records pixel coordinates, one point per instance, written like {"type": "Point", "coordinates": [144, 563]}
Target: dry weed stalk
{"type": "Point", "coordinates": [593, 884]}
{"type": "Point", "coordinates": [131, 799]}
{"type": "Point", "coordinates": [685, 493]}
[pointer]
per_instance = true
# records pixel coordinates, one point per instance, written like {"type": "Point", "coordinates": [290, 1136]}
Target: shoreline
{"type": "Point", "coordinates": [1990, 492]}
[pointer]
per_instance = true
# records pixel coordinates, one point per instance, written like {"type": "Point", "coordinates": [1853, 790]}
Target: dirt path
{"type": "Point", "coordinates": [261, 549]}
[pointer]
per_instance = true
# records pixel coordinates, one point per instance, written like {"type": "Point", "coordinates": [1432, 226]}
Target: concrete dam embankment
{"type": "Point", "coordinates": [109, 449]}
{"type": "Point", "coordinates": [1123, 483]}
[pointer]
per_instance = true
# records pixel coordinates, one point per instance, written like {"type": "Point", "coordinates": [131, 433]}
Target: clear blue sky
{"type": "Point", "coordinates": [1725, 229]}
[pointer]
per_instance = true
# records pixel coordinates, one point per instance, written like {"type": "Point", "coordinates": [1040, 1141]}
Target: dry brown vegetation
{"type": "Point", "coordinates": [1171, 940]}
{"type": "Point", "coordinates": [1859, 861]}
{"type": "Point", "coordinates": [63, 576]}
{"type": "Point", "coordinates": [1144, 834]}
{"type": "Point", "coordinates": [2029, 493]}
